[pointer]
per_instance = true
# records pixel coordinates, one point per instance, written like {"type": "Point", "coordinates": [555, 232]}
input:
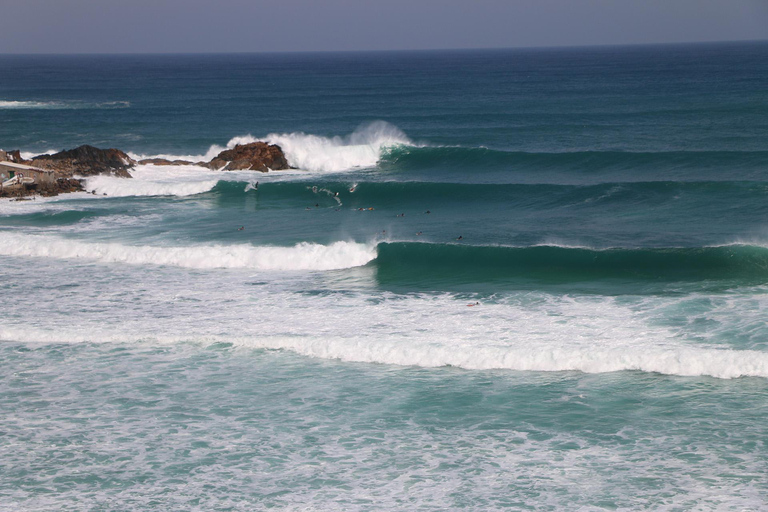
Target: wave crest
{"type": "Point", "coordinates": [360, 149]}
{"type": "Point", "coordinates": [303, 256]}
{"type": "Point", "coordinates": [61, 105]}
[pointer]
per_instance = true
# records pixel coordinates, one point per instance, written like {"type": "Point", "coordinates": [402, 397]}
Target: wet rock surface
{"type": "Point", "coordinates": [86, 161]}
{"type": "Point", "coordinates": [256, 156]}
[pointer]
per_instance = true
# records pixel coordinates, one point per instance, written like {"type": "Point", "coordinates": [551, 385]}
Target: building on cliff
{"type": "Point", "coordinates": [41, 177]}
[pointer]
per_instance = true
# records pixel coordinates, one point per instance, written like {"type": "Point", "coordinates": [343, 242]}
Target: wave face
{"type": "Point", "coordinates": [415, 194]}
{"type": "Point", "coordinates": [581, 166]}
{"type": "Point", "coordinates": [303, 256]}
{"type": "Point", "coordinates": [404, 261]}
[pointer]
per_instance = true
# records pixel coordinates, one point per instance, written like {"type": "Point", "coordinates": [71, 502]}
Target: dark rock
{"type": "Point", "coordinates": [87, 161]}
{"type": "Point", "coordinates": [256, 156]}
{"type": "Point", "coordinates": [163, 161]}
{"type": "Point", "coordinates": [12, 156]}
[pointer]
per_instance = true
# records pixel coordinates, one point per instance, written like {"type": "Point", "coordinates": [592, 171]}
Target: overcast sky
{"type": "Point", "coordinates": [117, 26]}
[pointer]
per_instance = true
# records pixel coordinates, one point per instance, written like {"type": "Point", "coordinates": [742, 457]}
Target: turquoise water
{"type": "Point", "coordinates": [519, 279]}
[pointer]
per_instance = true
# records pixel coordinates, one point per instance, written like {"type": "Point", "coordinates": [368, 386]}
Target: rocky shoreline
{"type": "Point", "coordinates": [71, 167]}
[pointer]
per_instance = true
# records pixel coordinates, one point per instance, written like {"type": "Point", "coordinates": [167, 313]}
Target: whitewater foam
{"type": "Point", "coordinates": [361, 149]}
{"type": "Point", "coordinates": [61, 105]}
{"type": "Point", "coordinates": [146, 182]}
{"type": "Point", "coordinates": [302, 256]}
{"type": "Point", "coordinates": [523, 332]}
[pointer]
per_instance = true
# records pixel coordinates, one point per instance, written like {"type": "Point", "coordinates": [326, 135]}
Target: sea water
{"type": "Point", "coordinates": [513, 279]}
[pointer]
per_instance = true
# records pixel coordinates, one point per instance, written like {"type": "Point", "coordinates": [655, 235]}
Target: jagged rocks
{"type": "Point", "coordinates": [256, 156]}
{"type": "Point", "coordinates": [163, 161]}
{"type": "Point", "coordinates": [11, 156]}
{"type": "Point", "coordinates": [87, 161]}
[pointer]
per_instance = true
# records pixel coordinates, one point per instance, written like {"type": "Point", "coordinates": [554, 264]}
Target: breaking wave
{"type": "Point", "coordinates": [403, 351]}
{"type": "Point", "coordinates": [61, 105]}
{"type": "Point", "coordinates": [302, 256]}
{"type": "Point", "coordinates": [719, 363]}
{"type": "Point", "coordinates": [361, 149]}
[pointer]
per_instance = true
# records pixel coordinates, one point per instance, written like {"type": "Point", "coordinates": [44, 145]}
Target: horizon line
{"type": "Point", "coordinates": [401, 50]}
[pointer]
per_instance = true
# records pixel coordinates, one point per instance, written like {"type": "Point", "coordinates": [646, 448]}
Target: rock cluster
{"type": "Point", "coordinates": [256, 156]}
{"type": "Point", "coordinates": [11, 156]}
{"type": "Point", "coordinates": [86, 161]}
{"type": "Point", "coordinates": [90, 161]}
{"type": "Point", "coordinates": [163, 161]}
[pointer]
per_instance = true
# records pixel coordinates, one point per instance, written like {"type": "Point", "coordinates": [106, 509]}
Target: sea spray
{"type": "Point", "coordinates": [361, 149]}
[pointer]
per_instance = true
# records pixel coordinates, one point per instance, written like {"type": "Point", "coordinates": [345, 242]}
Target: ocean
{"type": "Point", "coordinates": [531, 279]}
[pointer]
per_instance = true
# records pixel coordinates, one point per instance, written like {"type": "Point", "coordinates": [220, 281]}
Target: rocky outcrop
{"type": "Point", "coordinates": [90, 161]}
{"type": "Point", "coordinates": [11, 156]}
{"type": "Point", "coordinates": [163, 161]}
{"type": "Point", "coordinates": [60, 186]}
{"type": "Point", "coordinates": [256, 156]}
{"type": "Point", "coordinates": [87, 161]}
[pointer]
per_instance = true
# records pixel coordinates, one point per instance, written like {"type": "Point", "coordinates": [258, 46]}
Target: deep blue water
{"type": "Point", "coordinates": [509, 279]}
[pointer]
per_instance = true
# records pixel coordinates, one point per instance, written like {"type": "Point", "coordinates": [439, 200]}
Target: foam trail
{"type": "Point", "coordinates": [688, 362]}
{"type": "Point", "coordinates": [302, 256]}
{"type": "Point", "coordinates": [150, 180]}
{"type": "Point", "coordinates": [682, 361]}
{"type": "Point", "coordinates": [121, 187]}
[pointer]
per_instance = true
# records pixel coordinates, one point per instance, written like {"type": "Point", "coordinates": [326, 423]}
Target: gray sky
{"type": "Point", "coordinates": [116, 26]}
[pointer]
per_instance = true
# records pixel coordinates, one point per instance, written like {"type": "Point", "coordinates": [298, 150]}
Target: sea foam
{"type": "Point", "coordinates": [146, 183]}
{"type": "Point", "coordinates": [303, 256]}
{"type": "Point", "coordinates": [61, 105]}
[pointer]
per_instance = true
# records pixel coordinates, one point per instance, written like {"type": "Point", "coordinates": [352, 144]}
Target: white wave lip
{"type": "Point", "coordinates": [303, 256]}
{"type": "Point", "coordinates": [361, 149]}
